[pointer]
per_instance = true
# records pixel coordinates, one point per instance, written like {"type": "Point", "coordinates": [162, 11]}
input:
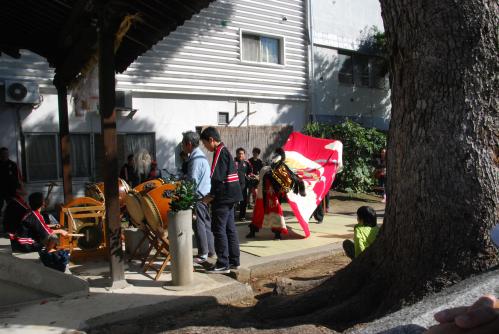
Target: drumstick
{"type": "Point", "coordinates": [75, 235]}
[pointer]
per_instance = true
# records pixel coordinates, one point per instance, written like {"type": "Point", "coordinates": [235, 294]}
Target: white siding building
{"type": "Point", "coordinates": [237, 63]}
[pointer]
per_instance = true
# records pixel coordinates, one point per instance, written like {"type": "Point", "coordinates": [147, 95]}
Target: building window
{"type": "Point", "coordinates": [379, 73]}
{"type": "Point", "coordinates": [43, 160]}
{"type": "Point", "coordinates": [41, 157]}
{"type": "Point", "coordinates": [128, 143]}
{"type": "Point", "coordinates": [81, 155]}
{"type": "Point", "coordinates": [262, 49]}
{"type": "Point", "coordinates": [362, 70]}
{"type": "Point", "coordinates": [345, 75]}
{"type": "Point", "coordinates": [223, 118]}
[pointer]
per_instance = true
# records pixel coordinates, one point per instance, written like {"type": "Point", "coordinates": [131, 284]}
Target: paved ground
{"type": "Point", "coordinates": [145, 296]}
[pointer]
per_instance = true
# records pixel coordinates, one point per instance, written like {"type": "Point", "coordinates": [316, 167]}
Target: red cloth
{"type": "Point", "coordinates": [316, 161]}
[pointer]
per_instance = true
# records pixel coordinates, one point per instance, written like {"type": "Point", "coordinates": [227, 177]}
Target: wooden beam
{"type": "Point", "coordinates": [107, 31]}
{"type": "Point", "coordinates": [65, 144]}
{"type": "Point", "coordinates": [74, 24]}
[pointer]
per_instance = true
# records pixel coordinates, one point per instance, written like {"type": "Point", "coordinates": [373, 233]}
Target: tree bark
{"type": "Point", "coordinates": [442, 163]}
{"type": "Point", "coordinates": [287, 287]}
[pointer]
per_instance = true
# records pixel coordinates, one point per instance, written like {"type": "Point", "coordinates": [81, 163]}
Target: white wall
{"type": "Point", "coordinates": [341, 23]}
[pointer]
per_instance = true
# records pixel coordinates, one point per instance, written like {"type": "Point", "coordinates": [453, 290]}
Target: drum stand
{"type": "Point", "coordinates": [73, 217]}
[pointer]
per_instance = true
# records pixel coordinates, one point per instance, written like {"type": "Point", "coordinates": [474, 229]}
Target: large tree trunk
{"type": "Point", "coordinates": [443, 164]}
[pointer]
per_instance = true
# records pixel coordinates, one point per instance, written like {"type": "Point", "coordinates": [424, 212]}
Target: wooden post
{"type": "Point", "coordinates": [107, 32]}
{"type": "Point", "coordinates": [65, 143]}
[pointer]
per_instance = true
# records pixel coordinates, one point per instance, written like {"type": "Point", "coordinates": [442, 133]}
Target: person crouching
{"type": "Point", "coordinates": [52, 257]}
{"type": "Point", "coordinates": [33, 229]}
{"type": "Point", "coordinates": [365, 232]}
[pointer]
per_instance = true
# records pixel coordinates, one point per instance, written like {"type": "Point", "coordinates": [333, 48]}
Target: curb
{"type": "Point", "coordinates": [285, 262]}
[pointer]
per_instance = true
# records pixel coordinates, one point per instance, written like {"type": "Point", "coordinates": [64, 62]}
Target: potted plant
{"type": "Point", "coordinates": [184, 196]}
{"type": "Point", "coordinates": [183, 199]}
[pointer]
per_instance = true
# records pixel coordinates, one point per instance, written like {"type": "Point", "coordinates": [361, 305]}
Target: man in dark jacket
{"type": "Point", "coordinates": [14, 212]}
{"type": "Point", "coordinates": [244, 171]}
{"type": "Point", "coordinates": [225, 192]}
{"type": "Point", "coordinates": [128, 172]}
{"type": "Point", "coordinates": [10, 178]}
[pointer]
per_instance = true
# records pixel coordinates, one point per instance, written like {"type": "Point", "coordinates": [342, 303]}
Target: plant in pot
{"type": "Point", "coordinates": [182, 202]}
{"type": "Point", "coordinates": [184, 196]}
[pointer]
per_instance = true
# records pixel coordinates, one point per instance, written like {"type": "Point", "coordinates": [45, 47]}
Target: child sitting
{"type": "Point", "coordinates": [52, 257]}
{"type": "Point", "coordinates": [365, 232]}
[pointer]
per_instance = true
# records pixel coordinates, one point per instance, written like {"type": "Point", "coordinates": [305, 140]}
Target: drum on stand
{"type": "Point", "coordinates": [134, 208]}
{"type": "Point", "coordinates": [92, 236]}
{"type": "Point", "coordinates": [156, 204]}
{"type": "Point", "coordinates": [147, 186]}
{"type": "Point", "coordinates": [133, 200]}
{"type": "Point", "coordinates": [96, 191]}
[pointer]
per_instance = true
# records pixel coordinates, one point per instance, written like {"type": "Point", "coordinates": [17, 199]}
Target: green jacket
{"type": "Point", "coordinates": [363, 237]}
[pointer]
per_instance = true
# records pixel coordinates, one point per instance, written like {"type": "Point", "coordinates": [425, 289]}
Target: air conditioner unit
{"type": "Point", "coordinates": [124, 100]}
{"type": "Point", "coordinates": [21, 92]}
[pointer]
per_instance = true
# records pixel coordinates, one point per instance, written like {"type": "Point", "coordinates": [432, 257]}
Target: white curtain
{"type": "Point", "coordinates": [80, 155]}
{"type": "Point", "coordinates": [251, 48]}
{"type": "Point", "coordinates": [136, 142]}
{"type": "Point", "coordinates": [41, 157]}
{"type": "Point", "coordinates": [270, 50]}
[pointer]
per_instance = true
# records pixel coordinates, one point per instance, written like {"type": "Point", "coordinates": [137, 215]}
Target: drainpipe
{"type": "Point", "coordinates": [311, 79]}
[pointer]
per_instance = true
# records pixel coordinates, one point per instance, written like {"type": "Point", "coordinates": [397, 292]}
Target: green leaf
{"type": "Point", "coordinates": [184, 197]}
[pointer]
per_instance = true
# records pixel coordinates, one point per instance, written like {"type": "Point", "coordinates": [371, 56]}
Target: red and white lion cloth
{"type": "Point", "coordinates": [316, 161]}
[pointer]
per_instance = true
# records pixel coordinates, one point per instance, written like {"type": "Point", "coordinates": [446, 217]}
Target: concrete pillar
{"type": "Point", "coordinates": [180, 237]}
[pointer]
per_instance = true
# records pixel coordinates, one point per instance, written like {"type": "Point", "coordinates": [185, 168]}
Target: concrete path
{"type": "Point", "coordinates": [144, 296]}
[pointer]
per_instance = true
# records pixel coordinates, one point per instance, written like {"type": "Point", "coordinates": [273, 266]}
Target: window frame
{"type": "Point", "coordinates": [92, 156]}
{"type": "Point", "coordinates": [92, 137]}
{"type": "Point", "coordinates": [358, 77]}
{"type": "Point", "coordinates": [57, 155]}
{"type": "Point", "coordinates": [282, 48]}
{"type": "Point", "coordinates": [226, 115]}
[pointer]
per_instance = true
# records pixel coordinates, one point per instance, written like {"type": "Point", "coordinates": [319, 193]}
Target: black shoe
{"type": "Point", "coordinates": [200, 259]}
{"type": "Point", "coordinates": [277, 236]}
{"type": "Point", "coordinates": [242, 219]}
{"type": "Point", "coordinates": [234, 267]}
{"type": "Point", "coordinates": [218, 270]}
{"type": "Point", "coordinates": [253, 230]}
{"type": "Point", "coordinates": [319, 222]}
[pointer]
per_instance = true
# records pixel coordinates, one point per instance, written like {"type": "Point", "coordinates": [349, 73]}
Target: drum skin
{"type": "Point", "coordinates": [92, 238]}
{"type": "Point", "coordinates": [96, 191]}
{"type": "Point", "coordinates": [147, 186]}
{"type": "Point", "coordinates": [133, 199]}
{"type": "Point", "coordinates": [156, 204]}
{"type": "Point", "coordinates": [134, 208]}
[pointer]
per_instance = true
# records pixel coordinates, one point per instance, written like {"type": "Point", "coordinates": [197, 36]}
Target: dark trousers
{"type": "Point", "coordinates": [225, 233]}
{"type": "Point", "coordinates": [319, 212]}
{"type": "Point", "coordinates": [243, 204]}
{"type": "Point", "coordinates": [349, 248]}
{"type": "Point", "coordinates": [3, 200]}
{"type": "Point", "coordinates": [202, 230]}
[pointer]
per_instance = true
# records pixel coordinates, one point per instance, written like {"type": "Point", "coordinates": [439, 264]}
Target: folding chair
{"type": "Point", "coordinates": [160, 246]}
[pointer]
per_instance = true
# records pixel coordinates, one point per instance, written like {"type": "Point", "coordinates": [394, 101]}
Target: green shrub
{"type": "Point", "coordinates": [184, 196]}
{"type": "Point", "coordinates": [360, 146]}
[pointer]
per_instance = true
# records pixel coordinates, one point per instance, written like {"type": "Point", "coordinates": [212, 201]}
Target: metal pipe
{"type": "Point", "coordinates": [311, 82]}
